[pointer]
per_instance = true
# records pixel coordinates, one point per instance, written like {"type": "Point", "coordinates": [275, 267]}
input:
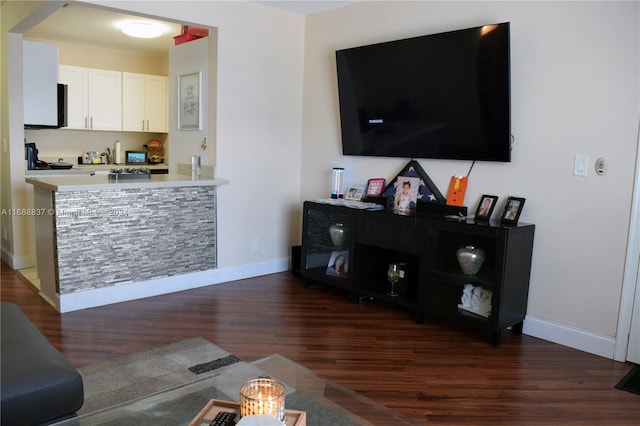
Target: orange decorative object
{"type": "Point", "coordinates": [183, 38]}
{"type": "Point", "coordinates": [196, 31]}
{"type": "Point", "coordinates": [457, 189]}
{"type": "Point", "coordinates": [154, 145]}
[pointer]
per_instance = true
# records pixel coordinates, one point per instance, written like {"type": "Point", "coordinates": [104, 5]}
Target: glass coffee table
{"type": "Point", "coordinates": [325, 402]}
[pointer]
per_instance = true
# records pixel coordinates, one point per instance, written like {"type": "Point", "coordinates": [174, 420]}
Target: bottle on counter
{"type": "Point", "coordinates": [117, 153]}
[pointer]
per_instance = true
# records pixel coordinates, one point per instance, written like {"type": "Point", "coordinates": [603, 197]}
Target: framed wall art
{"type": "Point", "coordinates": [190, 101]}
{"type": "Point", "coordinates": [512, 210]}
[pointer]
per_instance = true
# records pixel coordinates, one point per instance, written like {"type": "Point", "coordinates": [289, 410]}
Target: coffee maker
{"type": "Point", "coordinates": [31, 155]}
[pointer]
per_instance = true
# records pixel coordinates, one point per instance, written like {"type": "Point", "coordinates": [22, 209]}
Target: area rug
{"type": "Point", "coordinates": [143, 373]}
{"type": "Point", "coordinates": [631, 381]}
{"type": "Point", "coordinates": [133, 378]}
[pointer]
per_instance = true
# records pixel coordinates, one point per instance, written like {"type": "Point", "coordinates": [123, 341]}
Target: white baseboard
{"type": "Point", "coordinates": [17, 262]}
{"type": "Point", "coordinates": [567, 336]}
{"type": "Point", "coordinates": [536, 327]}
{"type": "Point", "coordinates": [139, 290]}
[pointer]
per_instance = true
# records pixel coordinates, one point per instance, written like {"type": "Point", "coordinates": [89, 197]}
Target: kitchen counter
{"type": "Point", "coordinates": [102, 182]}
{"type": "Point", "coordinates": [92, 169]}
{"type": "Point", "coordinates": [101, 241]}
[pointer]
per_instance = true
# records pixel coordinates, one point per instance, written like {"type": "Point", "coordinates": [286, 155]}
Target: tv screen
{"type": "Point", "coordinates": [443, 96]}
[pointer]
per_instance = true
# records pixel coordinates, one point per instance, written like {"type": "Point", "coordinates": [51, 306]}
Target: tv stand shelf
{"type": "Point", "coordinates": [425, 246]}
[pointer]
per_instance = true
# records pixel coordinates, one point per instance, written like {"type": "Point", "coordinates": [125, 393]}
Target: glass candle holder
{"type": "Point", "coordinates": [262, 396]}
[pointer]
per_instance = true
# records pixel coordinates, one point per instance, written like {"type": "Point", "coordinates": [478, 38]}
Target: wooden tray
{"type": "Point", "coordinates": [208, 413]}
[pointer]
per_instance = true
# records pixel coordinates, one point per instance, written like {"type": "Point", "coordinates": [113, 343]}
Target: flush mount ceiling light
{"type": "Point", "coordinates": [142, 29]}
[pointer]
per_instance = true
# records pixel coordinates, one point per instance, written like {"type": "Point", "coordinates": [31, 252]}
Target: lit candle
{"type": "Point", "coordinates": [262, 396]}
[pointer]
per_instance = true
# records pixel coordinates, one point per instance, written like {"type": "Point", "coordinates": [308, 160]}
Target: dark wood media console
{"type": "Point", "coordinates": [426, 246]}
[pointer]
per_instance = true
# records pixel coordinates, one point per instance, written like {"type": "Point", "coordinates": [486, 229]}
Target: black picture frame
{"type": "Point", "coordinates": [512, 210]}
{"type": "Point", "coordinates": [427, 191]}
{"type": "Point", "coordinates": [485, 207]}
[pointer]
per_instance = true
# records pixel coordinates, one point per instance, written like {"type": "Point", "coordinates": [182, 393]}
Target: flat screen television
{"type": "Point", "coordinates": [443, 96]}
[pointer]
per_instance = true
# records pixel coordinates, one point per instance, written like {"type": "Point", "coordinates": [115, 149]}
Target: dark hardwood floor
{"type": "Point", "coordinates": [434, 373]}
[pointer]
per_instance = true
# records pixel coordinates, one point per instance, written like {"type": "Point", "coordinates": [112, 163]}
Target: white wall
{"type": "Point", "coordinates": [259, 116]}
{"type": "Point", "coordinates": [575, 68]}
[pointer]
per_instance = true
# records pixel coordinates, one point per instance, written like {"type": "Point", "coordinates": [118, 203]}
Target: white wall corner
{"type": "Point", "coordinates": [17, 262]}
{"type": "Point", "coordinates": [567, 336]}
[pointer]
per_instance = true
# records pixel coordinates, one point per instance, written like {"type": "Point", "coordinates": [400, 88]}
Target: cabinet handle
{"type": "Point", "coordinates": [85, 122]}
{"type": "Point", "coordinates": [143, 125]}
{"type": "Point", "coordinates": [147, 125]}
{"type": "Point", "coordinates": [91, 123]}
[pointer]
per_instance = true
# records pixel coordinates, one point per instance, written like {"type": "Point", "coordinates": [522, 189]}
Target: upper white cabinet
{"type": "Point", "coordinates": [40, 79]}
{"type": "Point", "coordinates": [94, 98]}
{"type": "Point", "coordinates": [144, 103]}
{"type": "Point", "coordinates": [77, 81]}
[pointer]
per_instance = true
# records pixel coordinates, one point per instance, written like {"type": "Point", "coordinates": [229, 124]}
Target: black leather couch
{"type": "Point", "coordinates": [37, 383]}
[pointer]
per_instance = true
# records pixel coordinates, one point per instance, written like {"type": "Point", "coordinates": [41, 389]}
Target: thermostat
{"type": "Point", "coordinates": [601, 166]}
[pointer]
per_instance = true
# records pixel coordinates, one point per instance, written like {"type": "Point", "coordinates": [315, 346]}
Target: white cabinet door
{"type": "Point", "coordinates": [144, 103]}
{"type": "Point", "coordinates": [40, 79]}
{"type": "Point", "coordinates": [77, 81]}
{"type": "Point", "coordinates": [156, 104]}
{"type": "Point", "coordinates": [105, 100]}
{"type": "Point", "coordinates": [94, 98]}
{"type": "Point", "coordinates": [133, 116]}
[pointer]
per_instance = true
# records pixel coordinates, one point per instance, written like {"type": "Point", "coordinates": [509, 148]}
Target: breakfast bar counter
{"type": "Point", "coordinates": [101, 240]}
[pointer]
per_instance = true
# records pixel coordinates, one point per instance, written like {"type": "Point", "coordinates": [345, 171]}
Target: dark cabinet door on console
{"type": "Point", "coordinates": [495, 297]}
{"type": "Point", "coordinates": [328, 245]}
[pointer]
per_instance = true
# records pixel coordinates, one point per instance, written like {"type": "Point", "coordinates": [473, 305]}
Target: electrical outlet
{"type": "Point", "coordinates": [255, 246]}
{"type": "Point", "coordinates": [5, 233]}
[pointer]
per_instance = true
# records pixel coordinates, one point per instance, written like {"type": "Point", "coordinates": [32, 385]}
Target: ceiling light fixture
{"type": "Point", "coordinates": [142, 29]}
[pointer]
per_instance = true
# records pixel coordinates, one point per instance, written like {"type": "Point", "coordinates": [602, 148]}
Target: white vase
{"type": "Point", "coordinates": [470, 259]}
{"type": "Point", "coordinates": [338, 233]}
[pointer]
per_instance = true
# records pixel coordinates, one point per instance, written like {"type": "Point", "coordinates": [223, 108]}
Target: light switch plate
{"type": "Point", "coordinates": [580, 165]}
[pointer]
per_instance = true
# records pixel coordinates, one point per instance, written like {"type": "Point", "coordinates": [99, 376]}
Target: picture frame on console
{"type": "Point", "coordinates": [512, 210]}
{"type": "Point", "coordinates": [375, 186]}
{"type": "Point", "coordinates": [427, 190]}
{"type": "Point", "coordinates": [485, 207]}
{"type": "Point", "coordinates": [406, 195]}
{"type": "Point", "coordinates": [354, 193]}
{"type": "Point", "coordinates": [338, 264]}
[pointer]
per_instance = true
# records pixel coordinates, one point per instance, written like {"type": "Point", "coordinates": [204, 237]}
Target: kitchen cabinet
{"type": "Point", "coordinates": [94, 98]}
{"type": "Point", "coordinates": [40, 79]}
{"type": "Point", "coordinates": [144, 103]}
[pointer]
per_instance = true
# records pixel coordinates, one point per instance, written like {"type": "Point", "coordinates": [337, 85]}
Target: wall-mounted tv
{"type": "Point", "coordinates": [443, 96]}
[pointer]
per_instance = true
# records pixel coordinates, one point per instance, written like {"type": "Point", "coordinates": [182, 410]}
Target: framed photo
{"type": "Point", "coordinates": [512, 210]}
{"type": "Point", "coordinates": [354, 193]}
{"type": "Point", "coordinates": [190, 101]}
{"type": "Point", "coordinates": [406, 196]}
{"type": "Point", "coordinates": [338, 264]}
{"type": "Point", "coordinates": [375, 187]}
{"type": "Point", "coordinates": [427, 190]}
{"type": "Point", "coordinates": [485, 207]}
